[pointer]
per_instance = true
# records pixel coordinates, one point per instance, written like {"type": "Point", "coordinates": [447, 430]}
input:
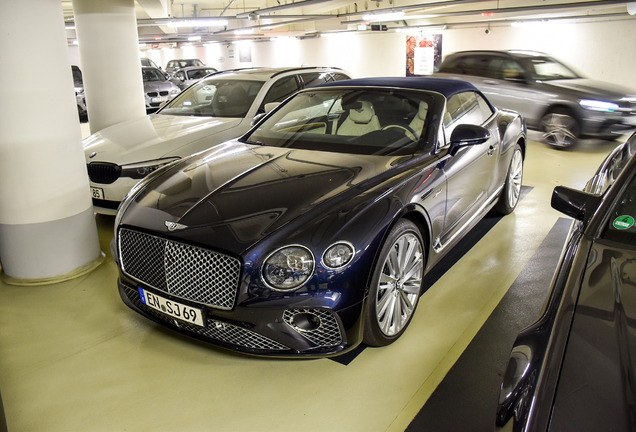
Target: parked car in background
{"type": "Point", "coordinates": [174, 65]}
{"type": "Point", "coordinates": [574, 368]}
{"type": "Point", "coordinates": [78, 83]}
{"type": "Point", "coordinates": [314, 231]}
{"type": "Point", "coordinates": [158, 90]}
{"type": "Point", "coordinates": [549, 95]}
{"type": "Point", "coordinates": [146, 62]}
{"type": "Point", "coordinates": [188, 75]}
{"type": "Point", "coordinates": [211, 111]}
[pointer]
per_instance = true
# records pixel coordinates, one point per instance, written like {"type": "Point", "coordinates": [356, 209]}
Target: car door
{"type": "Point", "coordinates": [471, 171]}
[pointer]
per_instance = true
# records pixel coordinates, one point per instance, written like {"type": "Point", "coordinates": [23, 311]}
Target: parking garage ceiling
{"type": "Point", "coordinates": [173, 23]}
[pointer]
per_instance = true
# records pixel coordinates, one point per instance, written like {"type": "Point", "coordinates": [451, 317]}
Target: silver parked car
{"type": "Point", "coordinates": [175, 65]}
{"type": "Point", "coordinates": [189, 75]}
{"type": "Point", "coordinates": [157, 89]}
{"type": "Point", "coordinates": [548, 94]}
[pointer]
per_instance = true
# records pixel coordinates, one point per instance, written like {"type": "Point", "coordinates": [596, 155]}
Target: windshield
{"type": "Point", "coordinates": [152, 75]}
{"type": "Point", "coordinates": [360, 121]}
{"type": "Point", "coordinates": [199, 73]}
{"type": "Point", "coordinates": [215, 97]}
{"type": "Point", "coordinates": [545, 69]}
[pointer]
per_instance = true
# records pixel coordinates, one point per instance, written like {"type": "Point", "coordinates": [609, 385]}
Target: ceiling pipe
{"type": "Point", "coordinates": [272, 9]}
{"type": "Point", "coordinates": [579, 5]}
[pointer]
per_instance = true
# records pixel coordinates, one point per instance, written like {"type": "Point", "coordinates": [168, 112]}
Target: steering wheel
{"type": "Point", "coordinates": [408, 131]}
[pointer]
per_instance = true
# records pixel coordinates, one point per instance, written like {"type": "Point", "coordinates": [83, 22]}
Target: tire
{"type": "Point", "coordinates": [512, 187]}
{"type": "Point", "coordinates": [396, 285]}
{"type": "Point", "coordinates": [560, 128]}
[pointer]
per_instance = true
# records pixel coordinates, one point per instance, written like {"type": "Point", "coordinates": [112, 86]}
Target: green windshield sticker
{"type": "Point", "coordinates": [623, 222]}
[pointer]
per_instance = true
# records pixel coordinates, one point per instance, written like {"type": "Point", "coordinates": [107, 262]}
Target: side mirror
{"type": "Point", "coordinates": [467, 135]}
{"type": "Point", "coordinates": [575, 203]}
{"type": "Point", "coordinates": [257, 118]}
{"type": "Point", "coordinates": [270, 106]}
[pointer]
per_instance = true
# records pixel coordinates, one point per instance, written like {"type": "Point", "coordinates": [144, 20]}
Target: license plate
{"type": "Point", "coordinates": [97, 193]}
{"type": "Point", "coordinates": [172, 308]}
{"type": "Point", "coordinates": [157, 99]}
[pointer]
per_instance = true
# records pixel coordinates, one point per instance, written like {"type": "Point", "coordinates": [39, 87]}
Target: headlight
{"type": "Point", "coordinates": [596, 105]}
{"type": "Point", "coordinates": [338, 255]}
{"type": "Point", "coordinates": [142, 169]}
{"type": "Point", "coordinates": [174, 91]}
{"type": "Point", "coordinates": [288, 268]}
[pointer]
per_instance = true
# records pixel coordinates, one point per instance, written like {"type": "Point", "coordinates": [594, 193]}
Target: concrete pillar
{"type": "Point", "coordinates": [109, 50]}
{"type": "Point", "coordinates": [47, 226]}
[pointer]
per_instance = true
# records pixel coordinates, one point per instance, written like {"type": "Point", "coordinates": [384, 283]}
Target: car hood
{"type": "Point", "coordinates": [235, 194]}
{"type": "Point", "coordinates": [599, 89]}
{"type": "Point", "coordinates": [155, 136]}
{"type": "Point", "coordinates": [158, 86]}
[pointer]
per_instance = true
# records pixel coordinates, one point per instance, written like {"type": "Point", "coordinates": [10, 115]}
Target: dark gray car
{"type": "Point", "coordinates": [573, 369]}
{"type": "Point", "coordinates": [549, 95]}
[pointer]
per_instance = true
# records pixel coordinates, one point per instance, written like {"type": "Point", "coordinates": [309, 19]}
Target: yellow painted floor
{"type": "Point", "coordinates": [74, 358]}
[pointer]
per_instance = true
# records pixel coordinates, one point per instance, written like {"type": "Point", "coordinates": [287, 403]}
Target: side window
{"type": "Point", "coordinates": [621, 226]}
{"type": "Point", "coordinates": [314, 78]}
{"type": "Point", "coordinates": [476, 65]}
{"type": "Point", "coordinates": [486, 111]}
{"type": "Point", "coordinates": [281, 89]}
{"type": "Point", "coordinates": [462, 108]}
{"type": "Point", "coordinates": [503, 68]}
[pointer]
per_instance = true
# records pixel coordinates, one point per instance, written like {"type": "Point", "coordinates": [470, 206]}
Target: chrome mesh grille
{"type": "Point", "coordinates": [326, 335]}
{"type": "Point", "coordinates": [237, 336]}
{"type": "Point", "coordinates": [179, 269]}
{"type": "Point", "coordinates": [217, 330]}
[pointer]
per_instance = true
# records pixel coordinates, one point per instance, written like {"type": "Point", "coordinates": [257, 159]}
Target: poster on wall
{"type": "Point", "coordinates": [423, 54]}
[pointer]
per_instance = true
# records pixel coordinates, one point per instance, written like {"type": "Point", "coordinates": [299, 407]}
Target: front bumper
{"type": "Point", "coordinates": [108, 197]}
{"type": "Point", "coordinates": [261, 331]}
{"type": "Point", "coordinates": [607, 125]}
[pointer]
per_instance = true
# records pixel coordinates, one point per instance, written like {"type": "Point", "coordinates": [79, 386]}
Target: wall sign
{"type": "Point", "coordinates": [423, 54]}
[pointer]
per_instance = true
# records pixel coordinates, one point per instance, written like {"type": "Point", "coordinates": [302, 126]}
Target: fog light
{"type": "Point", "coordinates": [306, 321]}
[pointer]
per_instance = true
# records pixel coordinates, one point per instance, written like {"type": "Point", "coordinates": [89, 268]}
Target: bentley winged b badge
{"type": "Point", "coordinates": [173, 226]}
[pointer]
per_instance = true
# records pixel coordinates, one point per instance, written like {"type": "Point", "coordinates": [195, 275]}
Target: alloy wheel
{"type": "Point", "coordinates": [515, 176]}
{"type": "Point", "coordinates": [559, 129]}
{"type": "Point", "coordinates": [399, 284]}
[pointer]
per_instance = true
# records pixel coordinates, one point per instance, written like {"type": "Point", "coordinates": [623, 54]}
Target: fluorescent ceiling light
{"type": "Point", "coordinates": [198, 23]}
{"type": "Point", "coordinates": [242, 32]}
{"type": "Point", "coordinates": [282, 38]}
{"type": "Point", "coordinates": [393, 16]}
{"type": "Point", "coordinates": [194, 38]}
{"type": "Point", "coordinates": [529, 23]}
{"type": "Point", "coordinates": [420, 29]}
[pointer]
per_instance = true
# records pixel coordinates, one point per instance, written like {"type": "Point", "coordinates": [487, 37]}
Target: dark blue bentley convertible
{"type": "Point", "coordinates": [313, 232]}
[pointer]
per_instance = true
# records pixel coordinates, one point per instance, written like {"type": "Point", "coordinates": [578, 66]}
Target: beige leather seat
{"type": "Point", "coordinates": [417, 124]}
{"type": "Point", "coordinates": [361, 120]}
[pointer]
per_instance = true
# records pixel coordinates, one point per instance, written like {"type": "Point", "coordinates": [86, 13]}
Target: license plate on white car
{"type": "Point", "coordinates": [157, 99]}
{"type": "Point", "coordinates": [97, 193]}
{"type": "Point", "coordinates": [172, 308]}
